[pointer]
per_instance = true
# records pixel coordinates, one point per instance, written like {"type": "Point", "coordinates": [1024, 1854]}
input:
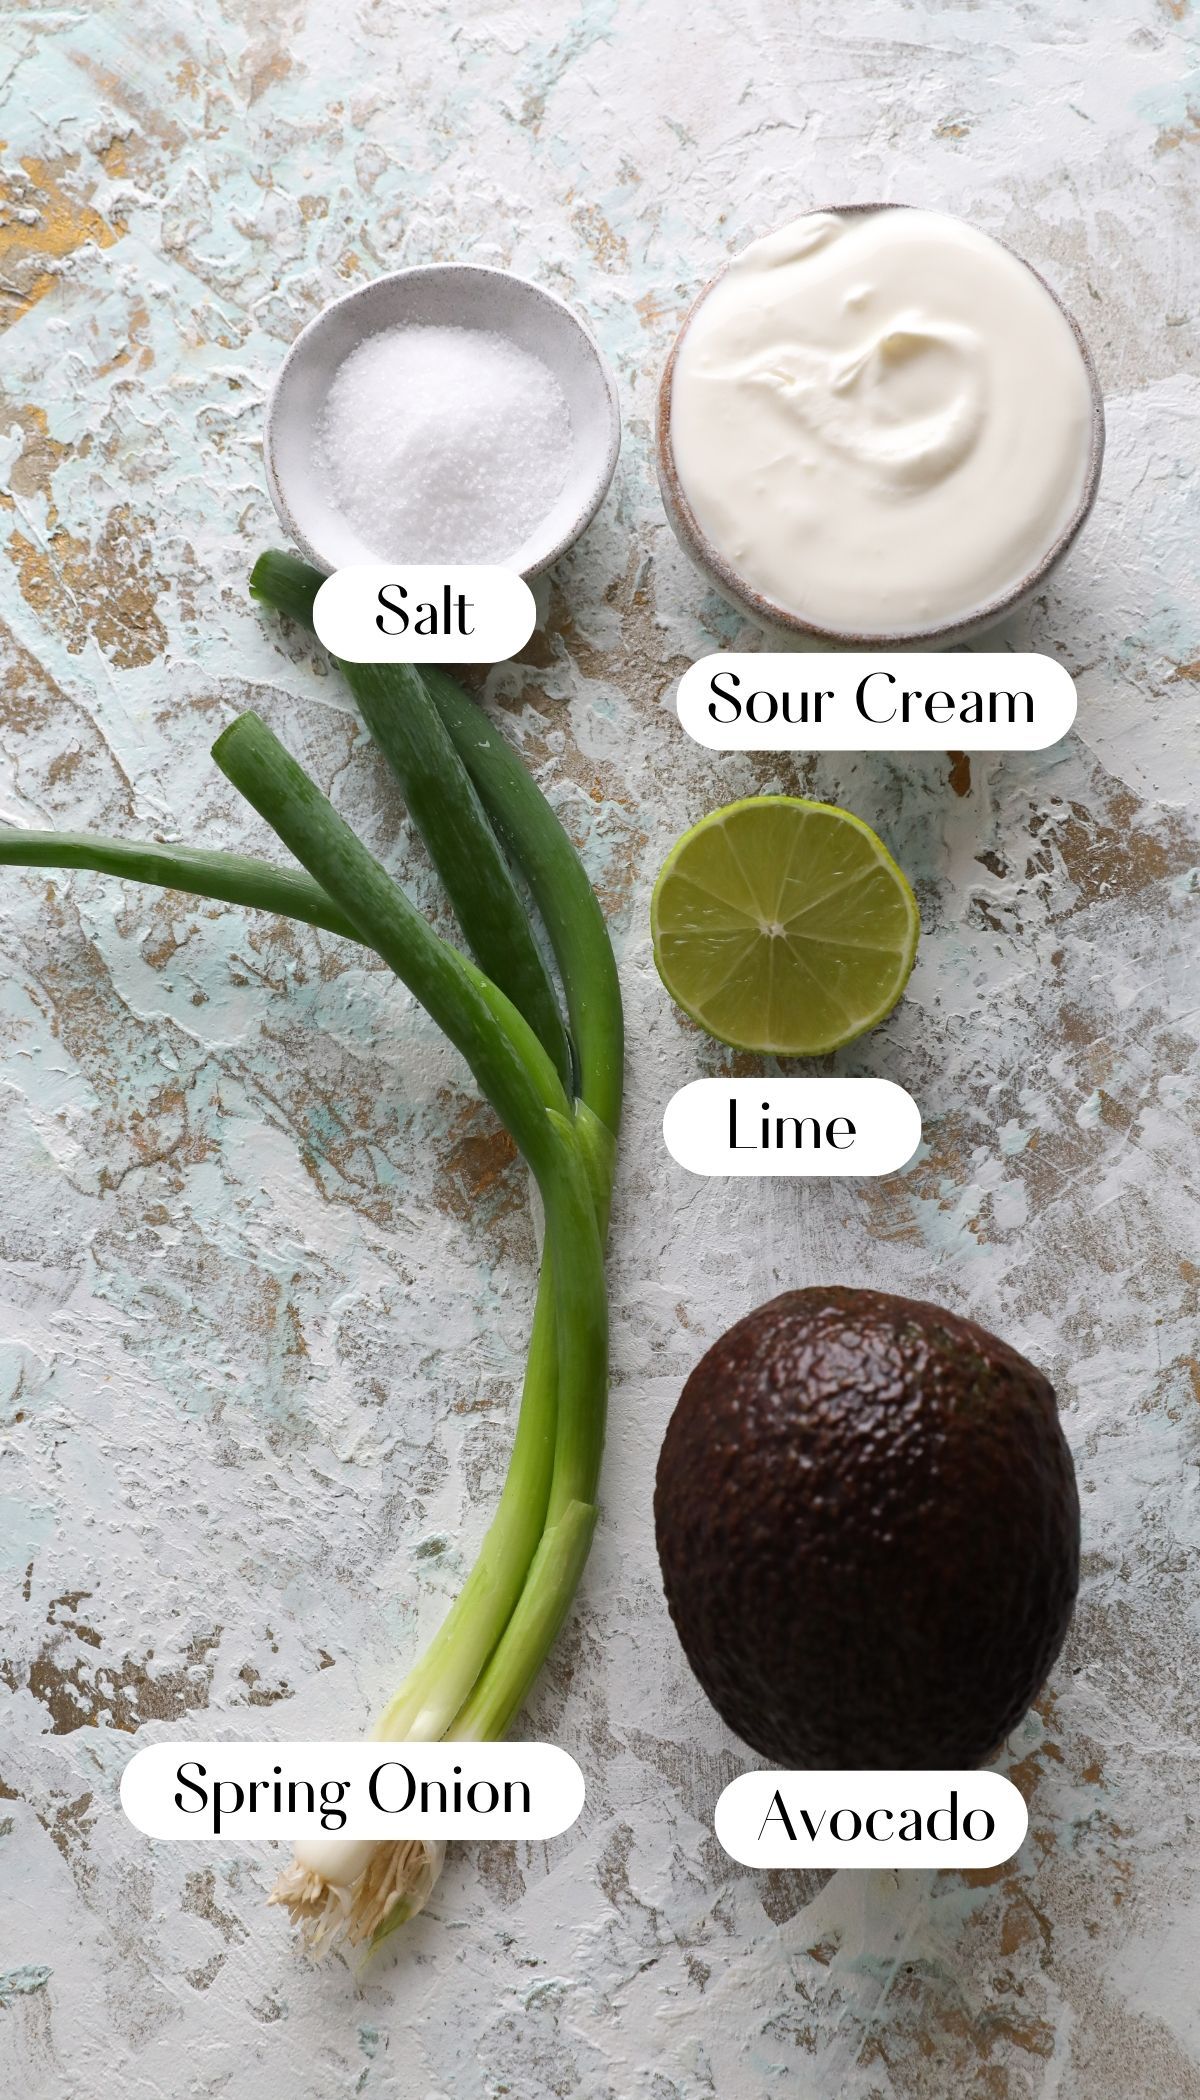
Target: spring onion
{"type": "Point", "coordinates": [542, 853]}
{"type": "Point", "coordinates": [558, 1091]}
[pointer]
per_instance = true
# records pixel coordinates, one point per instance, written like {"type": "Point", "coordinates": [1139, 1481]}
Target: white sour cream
{"type": "Point", "coordinates": [881, 420]}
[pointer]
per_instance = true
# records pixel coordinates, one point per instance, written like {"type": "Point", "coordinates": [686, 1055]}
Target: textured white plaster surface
{"type": "Point", "coordinates": [265, 1270]}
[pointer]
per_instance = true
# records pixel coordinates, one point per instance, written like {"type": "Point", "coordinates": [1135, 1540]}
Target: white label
{"type": "Point", "coordinates": [977, 700]}
{"type": "Point", "coordinates": [424, 613]}
{"type": "Point", "coordinates": [352, 1790]}
{"type": "Point", "coordinates": [792, 1126]}
{"type": "Point", "coordinates": [871, 1819]}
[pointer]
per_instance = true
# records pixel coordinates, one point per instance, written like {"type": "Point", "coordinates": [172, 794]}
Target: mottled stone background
{"type": "Point", "coordinates": [266, 1263]}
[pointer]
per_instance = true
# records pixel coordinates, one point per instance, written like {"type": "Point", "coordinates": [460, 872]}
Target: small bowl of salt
{"type": "Point", "coordinates": [450, 413]}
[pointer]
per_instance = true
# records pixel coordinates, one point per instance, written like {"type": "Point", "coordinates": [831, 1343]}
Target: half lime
{"type": "Point", "coordinates": [783, 926]}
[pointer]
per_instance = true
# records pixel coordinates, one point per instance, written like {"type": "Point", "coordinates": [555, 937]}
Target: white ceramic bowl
{"type": "Point", "coordinates": [444, 295]}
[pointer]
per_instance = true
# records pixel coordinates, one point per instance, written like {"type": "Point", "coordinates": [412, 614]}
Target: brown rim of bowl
{"type": "Point", "coordinates": [696, 542]}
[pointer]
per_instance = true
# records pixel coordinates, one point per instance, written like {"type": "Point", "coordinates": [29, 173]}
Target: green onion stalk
{"type": "Point", "coordinates": [555, 1085]}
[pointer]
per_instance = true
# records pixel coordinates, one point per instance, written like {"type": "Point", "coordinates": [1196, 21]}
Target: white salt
{"type": "Point", "coordinates": [443, 444]}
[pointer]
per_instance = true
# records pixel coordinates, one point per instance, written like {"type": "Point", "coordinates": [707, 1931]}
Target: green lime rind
{"type": "Point", "coordinates": [783, 926]}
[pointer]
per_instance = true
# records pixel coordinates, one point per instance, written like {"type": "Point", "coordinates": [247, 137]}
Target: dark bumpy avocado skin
{"type": "Point", "coordinates": [869, 1532]}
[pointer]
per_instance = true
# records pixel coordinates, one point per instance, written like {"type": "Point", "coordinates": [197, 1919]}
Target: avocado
{"type": "Point", "coordinates": [868, 1528]}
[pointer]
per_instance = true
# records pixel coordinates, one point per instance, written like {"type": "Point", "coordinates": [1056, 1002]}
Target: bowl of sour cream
{"type": "Point", "coordinates": [878, 426]}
